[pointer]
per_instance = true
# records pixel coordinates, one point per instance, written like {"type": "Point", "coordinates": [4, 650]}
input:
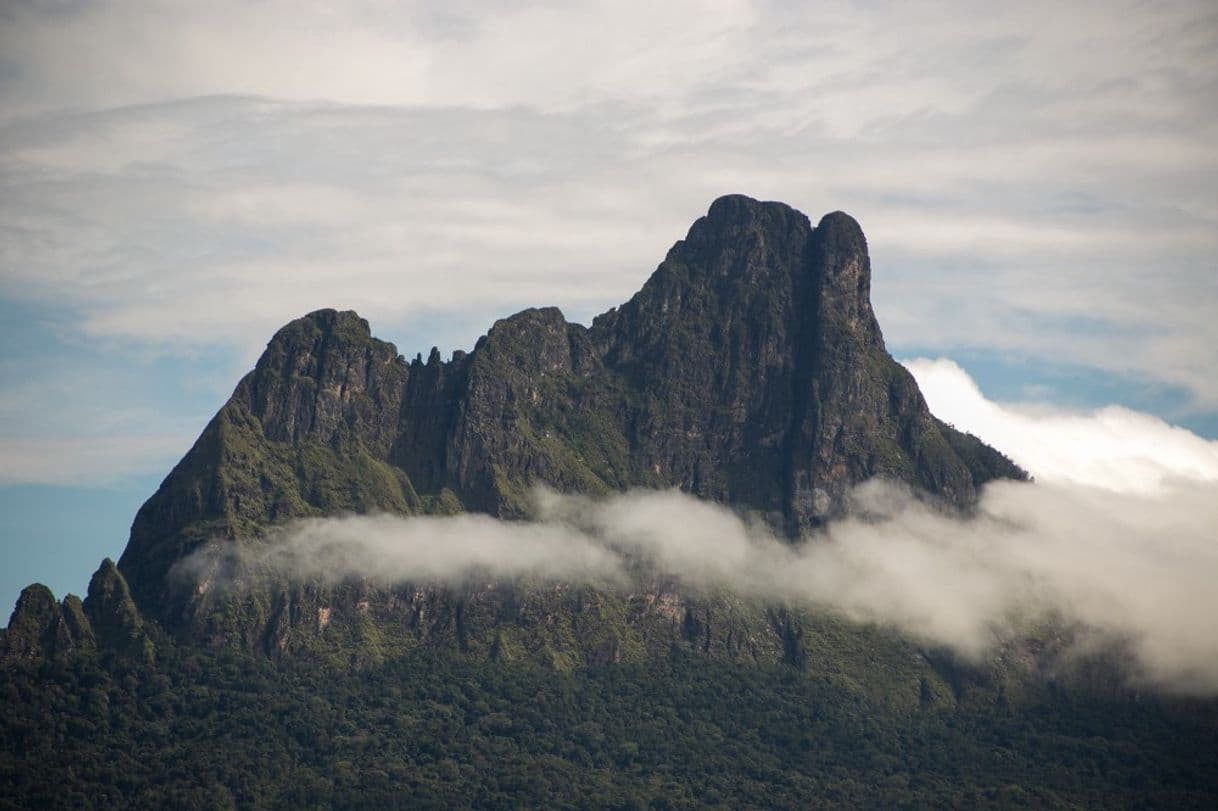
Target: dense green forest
{"type": "Point", "coordinates": [221, 729]}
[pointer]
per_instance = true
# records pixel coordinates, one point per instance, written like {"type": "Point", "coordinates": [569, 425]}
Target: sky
{"type": "Point", "coordinates": [1037, 181]}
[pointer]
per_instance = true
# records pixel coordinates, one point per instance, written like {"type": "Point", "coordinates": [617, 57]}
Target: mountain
{"type": "Point", "coordinates": [749, 370]}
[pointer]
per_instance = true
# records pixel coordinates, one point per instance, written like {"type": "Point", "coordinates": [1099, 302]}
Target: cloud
{"type": "Point", "coordinates": [229, 215]}
{"type": "Point", "coordinates": [1135, 568]}
{"type": "Point", "coordinates": [1111, 448]}
{"type": "Point", "coordinates": [369, 53]}
{"type": "Point", "coordinates": [89, 461]}
{"type": "Point", "coordinates": [388, 549]}
{"type": "Point", "coordinates": [96, 413]}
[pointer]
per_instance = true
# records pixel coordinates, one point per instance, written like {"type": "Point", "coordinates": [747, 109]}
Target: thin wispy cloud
{"type": "Point", "coordinates": [87, 461]}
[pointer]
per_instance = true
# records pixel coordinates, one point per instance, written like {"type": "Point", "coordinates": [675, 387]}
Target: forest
{"type": "Point", "coordinates": [221, 729]}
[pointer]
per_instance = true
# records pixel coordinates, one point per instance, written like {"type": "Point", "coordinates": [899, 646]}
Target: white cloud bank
{"type": "Point", "coordinates": [1131, 554]}
{"type": "Point", "coordinates": [1112, 448]}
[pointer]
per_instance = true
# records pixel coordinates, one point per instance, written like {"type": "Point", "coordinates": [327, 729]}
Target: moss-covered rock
{"type": "Point", "coordinates": [41, 630]}
{"type": "Point", "coordinates": [113, 615]}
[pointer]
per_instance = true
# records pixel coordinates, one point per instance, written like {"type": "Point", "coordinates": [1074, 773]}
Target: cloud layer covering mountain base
{"type": "Point", "coordinates": [1137, 568]}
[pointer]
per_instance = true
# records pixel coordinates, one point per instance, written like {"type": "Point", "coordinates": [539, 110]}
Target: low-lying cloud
{"type": "Point", "coordinates": [389, 548]}
{"type": "Point", "coordinates": [1135, 567]}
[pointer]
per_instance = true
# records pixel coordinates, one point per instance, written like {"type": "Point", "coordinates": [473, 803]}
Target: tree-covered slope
{"type": "Point", "coordinates": [221, 729]}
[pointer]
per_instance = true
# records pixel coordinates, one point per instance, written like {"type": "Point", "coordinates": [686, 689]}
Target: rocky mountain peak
{"type": "Point", "coordinates": [742, 236]}
{"type": "Point", "coordinates": [108, 602]}
{"type": "Point", "coordinates": [41, 629]}
{"type": "Point", "coordinates": [838, 250]}
{"type": "Point", "coordinates": [30, 632]}
{"type": "Point", "coordinates": [733, 215]}
{"type": "Point", "coordinates": [324, 371]}
{"type": "Point", "coordinates": [749, 369]}
{"type": "Point", "coordinates": [112, 613]}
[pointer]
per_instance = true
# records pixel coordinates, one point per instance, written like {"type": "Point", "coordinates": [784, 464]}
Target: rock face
{"type": "Point", "coordinates": [112, 615]}
{"type": "Point", "coordinates": [41, 629]}
{"type": "Point", "coordinates": [748, 370]}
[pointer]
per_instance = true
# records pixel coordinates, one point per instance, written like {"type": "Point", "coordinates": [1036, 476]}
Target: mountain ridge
{"type": "Point", "coordinates": [748, 370]}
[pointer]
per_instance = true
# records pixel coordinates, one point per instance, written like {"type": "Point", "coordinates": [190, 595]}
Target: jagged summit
{"type": "Point", "coordinates": [315, 375]}
{"type": "Point", "coordinates": [41, 629]}
{"type": "Point", "coordinates": [327, 320]}
{"type": "Point", "coordinates": [749, 369]}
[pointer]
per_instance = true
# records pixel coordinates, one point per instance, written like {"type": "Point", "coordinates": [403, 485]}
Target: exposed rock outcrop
{"type": "Point", "coordinates": [112, 614]}
{"type": "Point", "coordinates": [42, 630]}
